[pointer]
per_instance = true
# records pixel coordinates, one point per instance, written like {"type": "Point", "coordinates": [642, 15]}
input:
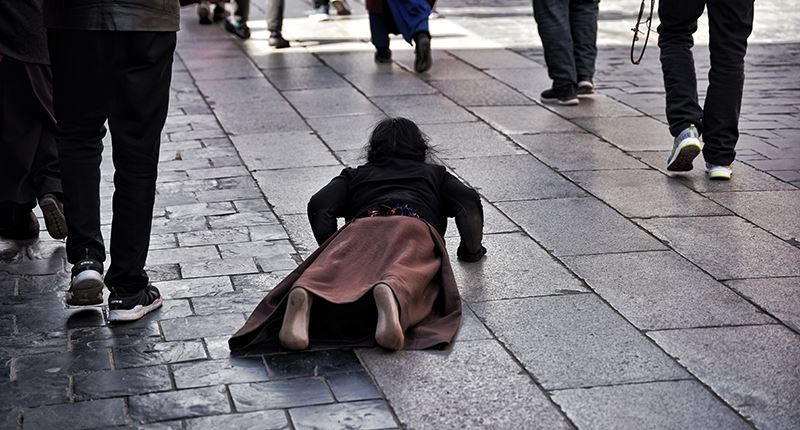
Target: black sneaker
{"type": "Point", "coordinates": [383, 55]}
{"type": "Point", "coordinates": [53, 211]}
{"type": "Point", "coordinates": [422, 52]}
{"type": "Point", "coordinates": [219, 13]}
{"type": "Point", "coordinates": [277, 41]}
{"type": "Point", "coordinates": [585, 88]}
{"type": "Point", "coordinates": [131, 308]}
{"type": "Point", "coordinates": [237, 27]}
{"type": "Point", "coordinates": [565, 95]}
{"type": "Point", "coordinates": [86, 286]}
{"type": "Point", "coordinates": [23, 225]}
{"type": "Point", "coordinates": [204, 13]}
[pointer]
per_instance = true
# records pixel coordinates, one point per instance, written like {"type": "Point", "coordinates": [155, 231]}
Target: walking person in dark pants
{"type": "Point", "coordinates": [730, 24]}
{"type": "Point", "coordinates": [237, 24]}
{"type": "Point", "coordinates": [112, 61]}
{"type": "Point", "coordinates": [568, 29]}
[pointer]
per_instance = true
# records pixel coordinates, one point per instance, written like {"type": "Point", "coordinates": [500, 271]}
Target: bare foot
{"type": "Point", "coordinates": [294, 331]}
{"type": "Point", "coordinates": [388, 332]}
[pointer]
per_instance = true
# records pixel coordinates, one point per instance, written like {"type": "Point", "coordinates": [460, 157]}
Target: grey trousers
{"type": "Point", "coordinates": [274, 13]}
{"type": "Point", "coordinates": [568, 29]}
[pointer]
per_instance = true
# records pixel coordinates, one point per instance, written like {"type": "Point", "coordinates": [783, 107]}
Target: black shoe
{"type": "Point", "coordinates": [383, 55]}
{"type": "Point", "coordinates": [277, 41]}
{"type": "Point", "coordinates": [23, 225]}
{"type": "Point", "coordinates": [131, 308]}
{"type": "Point", "coordinates": [237, 27]}
{"type": "Point", "coordinates": [585, 87]}
{"type": "Point", "coordinates": [53, 211]}
{"type": "Point", "coordinates": [219, 13]}
{"type": "Point", "coordinates": [565, 95]}
{"type": "Point", "coordinates": [422, 52]}
{"type": "Point", "coordinates": [86, 286]}
{"type": "Point", "coordinates": [204, 13]}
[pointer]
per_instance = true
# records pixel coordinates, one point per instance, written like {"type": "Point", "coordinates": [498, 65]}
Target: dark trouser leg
{"type": "Point", "coordinates": [730, 24]}
{"type": "Point", "coordinates": [275, 15]}
{"type": "Point", "coordinates": [552, 20]}
{"type": "Point", "coordinates": [379, 31]}
{"type": "Point", "coordinates": [142, 66]}
{"type": "Point", "coordinates": [80, 96]}
{"type": "Point", "coordinates": [583, 25]}
{"type": "Point", "coordinates": [678, 23]}
{"type": "Point", "coordinates": [243, 10]}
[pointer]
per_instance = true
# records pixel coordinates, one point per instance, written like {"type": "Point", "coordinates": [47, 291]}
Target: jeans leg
{"type": "Point", "coordinates": [583, 25]}
{"type": "Point", "coordinates": [378, 30]}
{"type": "Point", "coordinates": [275, 15]}
{"type": "Point", "coordinates": [80, 78]}
{"type": "Point", "coordinates": [678, 23]}
{"type": "Point", "coordinates": [552, 20]}
{"type": "Point", "coordinates": [243, 10]}
{"type": "Point", "coordinates": [730, 24]}
{"type": "Point", "coordinates": [142, 74]}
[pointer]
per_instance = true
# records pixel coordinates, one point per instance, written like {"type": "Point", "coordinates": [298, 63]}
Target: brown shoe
{"type": "Point", "coordinates": [53, 211]}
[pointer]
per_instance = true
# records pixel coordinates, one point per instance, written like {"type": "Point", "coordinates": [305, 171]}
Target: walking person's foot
{"type": "Point", "coordinates": [684, 150]}
{"type": "Point", "coordinates": [320, 14]}
{"type": "Point", "coordinates": [341, 6]}
{"type": "Point", "coordinates": [585, 88]}
{"type": "Point", "coordinates": [294, 330]}
{"type": "Point", "coordinates": [204, 13]}
{"type": "Point", "coordinates": [719, 173]}
{"type": "Point", "coordinates": [383, 55]}
{"type": "Point", "coordinates": [219, 12]}
{"type": "Point", "coordinates": [565, 95]}
{"type": "Point", "coordinates": [237, 27]}
{"type": "Point", "coordinates": [422, 52]}
{"type": "Point", "coordinates": [277, 41]}
{"type": "Point", "coordinates": [23, 225]}
{"type": "Point", "coordinates": [388, 332]}
{"type": "Point", "coordinates": [53, 212]}
{"type": "Point", "coordinates": [133, 307]}
{"type": "Point", "coordinates": [86, 286]}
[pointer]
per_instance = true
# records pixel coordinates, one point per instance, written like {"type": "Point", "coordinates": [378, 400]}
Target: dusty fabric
{"type": "Point", "coordinates": [404, 252]}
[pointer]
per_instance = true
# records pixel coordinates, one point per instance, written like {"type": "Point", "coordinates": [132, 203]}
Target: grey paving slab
{"type": "Point", "coordinates": [659, 290]}
{"type": "Point", "coordinates": [330, 102]}
{"type": "Point", "coordinates": [79, 415]}
{"type": "Point", "coordinates": [397, 82]}
{"type": "Point", "coordinates": [578, 341]}
{"type": "Point", "coordinates": [196, 327]}
{"type": "Point", "coordinates": [239, 302]}
{"type": "Point", "coordinates": [423, 109]}
{"type": "Point", "coordinates": [193, 253]}
{"type": "Point", "coordinates": [475, 384]}
{"type": "Point", "coordinates": [239, 91]}
{"type": "Point", "coordinates": [305, 78]}
{"type": "Point", "coordinates": [778, 296]}
{"type": "Point", "coordinates": [195, 287]}
{"type": "Point", "coordinates": [348, 387]}
{"type": "Point", "coordinates": [481, 92]}
{"type": "Point", "coordinates": [575, 226]}
{"type": "Point", "coordinates": [655, 405]}
{"type": "Point", "coordinates": [365, 415]}
{"type": "Point", "coordinates": [493, 58]}
{"type": "Point", "coordinates": [270, 255]}
{"type": "Point", "coordinates": [775, 211]}
{"type": "Point", "coordinates": [752, 368]}
{"type": "Point", "coordinates": [225, 371]}
{"type": "Point", "coordinates": [524, 119]}
{"type": "Point", "coordinates": [528, 271]}
{"type": "Point", "coordinates": [467, 140]}
{"type": "Point", "coordinates": [280, 394]}
{"type": "Point", "coordinates": [355, 62]}
{"type": "Point", "coordinates": [273, 117]}
{"type": "Point", "coordinates": [283, 150]}
{"type": "Point", "coordinates": [289, 190]}
{"type": "Point", "coordinates": [345, 132]}
{"type": "Point", "coordinates": [445, 67]}
{"type": "Point", "coordinates": [195, 402]}
{"type": "Point", "coordinates": [745, 177]}
{"type": "Point", "coordinates": [217, 172]}
{"type": "Point", "coordinates": [152, 353]}
{"type": "Point", "coordinates": [312, 363]}
{"type": "Point", "coordinates": [530, 81]}
{"type": "Point", "coordinates": [596, 106]}
{"type": "Point", "coordinates": [242, 218]}
{"type": "Point", "coordinates": [272, 59]}
{"type": "Point", "coordinates": [125, 382]}
{"type": "Point", "coordinates": [222, 68]}
{"type": "Point", "coordinates": [523, 177]}
{"type": "Point", "coordinates": [645, 193]}
{"type": "Point", "coordinates": [746, 252]}
{"type": "Point", "coordinates": [231, 266]}
{"type": "Point", "coordinates": [494, 221]}
{"type": "Point", "coordinates": [264, 420]}
{"type": "Point", "coordinates": [300, 233]}
{"type": "Point", "coordinates": [630, 133]}
{"type": "Point", "coordinates": [471, 327]}
{"type": "Point", "coordinates": [576, 151]}
{"type": "Point", "coordinates": [216, 236]}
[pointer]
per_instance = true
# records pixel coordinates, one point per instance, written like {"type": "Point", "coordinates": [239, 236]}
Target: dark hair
{"type": "Point", "coordinates": [397, 138]}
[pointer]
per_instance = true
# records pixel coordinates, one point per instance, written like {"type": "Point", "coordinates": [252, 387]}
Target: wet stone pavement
{"type": "Point", "coordinates": [613, 295]}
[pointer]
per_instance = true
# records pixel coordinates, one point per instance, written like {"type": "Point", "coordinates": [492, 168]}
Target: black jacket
{"type": "Point", "coordinates": [434, 193]}
{"type": "Point", "coordinates": [112, 15]}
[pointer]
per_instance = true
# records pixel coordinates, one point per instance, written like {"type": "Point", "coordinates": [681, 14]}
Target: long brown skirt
{"type": "Point", "coordinates": [403, 252]}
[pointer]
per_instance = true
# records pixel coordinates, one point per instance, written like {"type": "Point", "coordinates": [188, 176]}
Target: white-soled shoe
{"type": "Point", "coordinates": [684, 150]}
{"type": "Point", "coordinates": [718, 173]}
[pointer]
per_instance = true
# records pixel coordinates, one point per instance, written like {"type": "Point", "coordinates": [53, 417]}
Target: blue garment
{"type": "Point", "coordinates": [411, 16]}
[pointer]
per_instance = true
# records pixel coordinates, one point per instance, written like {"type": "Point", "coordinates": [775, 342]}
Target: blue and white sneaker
{"type": "Point", "coordinates": [718, 173]}
{"type": "Point", "coordinates": [131, 308]}
{"type": "Point", "coordinates": [684, 150]}
{"type": "Point", "coordinates": [86, 286]}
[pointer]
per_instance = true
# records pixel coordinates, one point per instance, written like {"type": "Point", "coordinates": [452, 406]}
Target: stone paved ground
{"type": "Point", "coordinates": [613, 295]}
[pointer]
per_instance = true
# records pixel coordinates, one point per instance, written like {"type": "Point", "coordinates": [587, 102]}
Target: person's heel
{"type": "Point", "coordinates": [294, 330]}
{"type": "Point", "coordinates": [388, 332]}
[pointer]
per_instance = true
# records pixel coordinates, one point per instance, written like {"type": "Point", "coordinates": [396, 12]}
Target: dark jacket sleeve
{"type": "Point", "coordinates": [326, 205]}
{"type": "Point", "coordinates": [464, 204]}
